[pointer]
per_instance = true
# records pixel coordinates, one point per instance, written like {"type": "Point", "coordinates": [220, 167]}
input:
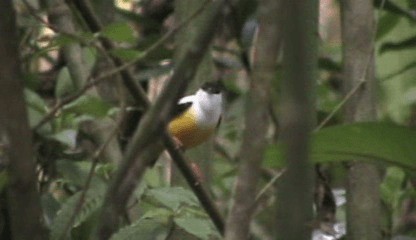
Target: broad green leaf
{"type": "Point", "coordinates": [92, 202]}
{"type": "Point", "coordinates": [36, 108]}
{"type": "Point", "coordinates": [120, 32]}
{"type": "Point", "coordinates": [198, 227]}
{"type": "Point", "coordinates": [62, 40]}
{"type": "Point", "coordinates": [381, 142]}
{"type": "Point", "coordinates": [64, 85]}
{"type": "Point", "coordinates": [68, 137]}
{"type": "Point", "coordinates": [143, 229]}
{"type": "Point", "coordinates": [396, 73]}
{"type": "Point", "coordinates": [173, 197]}
{"type": "Point", "coordinates": [384, 142]}
{"type": "Point", "coordinates": [158, 213]}
{"type": "Point", "coordinates": [34, 101]}
{"type": "Point", "coordinates": [126, 54]}
{"type": "Point", "coordinates": [90, 57]}
{"type": "Point", "coordinates": [89, 105]}
{"type": "Point", "coordinates": [386, 23]}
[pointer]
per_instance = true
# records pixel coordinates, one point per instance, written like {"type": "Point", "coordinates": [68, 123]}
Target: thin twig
{"type": "Point", "coordinates": [195, 183]}
{"type": "Point", "coordinates": [270, 183]}
{"type": "Point", "coordinates": [362, 79]}
{"type": "Point", "coordinates": [341, 104]}
{"type": "Point", "coordinates": [139, 154]}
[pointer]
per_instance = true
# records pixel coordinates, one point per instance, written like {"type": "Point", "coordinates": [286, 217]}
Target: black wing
{"type": "Point", "coordinates": [180, 108]}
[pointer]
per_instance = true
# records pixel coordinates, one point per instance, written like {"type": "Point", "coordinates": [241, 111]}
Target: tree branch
{"type": "Point", "coordinates": [23, 200]}
{"type": "Point", "coordinates": [139, 152]}
{"type": "Point", "coordinates": [256, 121]}
{"type": "Point", "coordinates": [300, 65]}
{"type": "Point", "coordinates": [105, 76]}
{"type": "Point", "coordinates": [359, 83]}
{"type": "Point", "coordinates": [95, 26]}
{"type": "Point", "coordinates": [363, 196]}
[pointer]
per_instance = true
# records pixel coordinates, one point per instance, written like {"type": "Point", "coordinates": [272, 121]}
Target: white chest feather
{"type": "Point", "coordinates": [207, 108]}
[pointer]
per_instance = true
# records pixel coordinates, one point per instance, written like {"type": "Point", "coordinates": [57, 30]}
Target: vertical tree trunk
{"type": "Point", "coordinates": [295, 191]}
{"type": "Point", "coordinates": [363, 197]}
{"type": "Point", "coordinates": [256, 121]}
{"type": "Point", "coordinates": [23, 199]}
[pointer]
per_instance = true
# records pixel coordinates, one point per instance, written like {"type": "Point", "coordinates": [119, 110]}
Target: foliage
{"type": "Point", "coordinates": [65, 150]}
{"type": "Point", "coordinates": [381, 142]}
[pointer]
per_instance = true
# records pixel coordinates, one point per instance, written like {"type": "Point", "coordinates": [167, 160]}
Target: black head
{"type": "Point", "coordinates": [214, 87]}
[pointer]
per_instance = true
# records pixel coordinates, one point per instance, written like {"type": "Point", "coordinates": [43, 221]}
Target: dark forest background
{"type": "Point", "coordinates": [317, 140]}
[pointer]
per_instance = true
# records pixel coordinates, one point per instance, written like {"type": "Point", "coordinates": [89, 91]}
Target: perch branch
{"type": "Point", "coordinates": [139, 151]}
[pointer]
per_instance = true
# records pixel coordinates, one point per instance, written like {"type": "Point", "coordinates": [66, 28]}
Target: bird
{"type": "Point", "coordinates": [196, 117]}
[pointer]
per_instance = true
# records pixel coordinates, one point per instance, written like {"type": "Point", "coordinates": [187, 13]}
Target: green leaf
{"type": "Point", "coordinates": [396, 73]}
{"type": "Point", "coordinates": [386, 23]}
{"type": "Point", "coordinates": [90, 57]}
{"type": "Point", "coordinates": [64, 85]}
{"type": "Point", "coordinates": [158, 213]}
{"type": "Point", "coordinates": [143, 229]}
{"type": "Point", "coordinates": [67, 137]}
{"type": "Point", "coordinates": [76, 173]}
{"type": "Point", "coordinates": [120, 32]}
{"type": "Point", "coordinates": [35, 101]}
{"type": "Point", "coordinates": [382, 142]}
{"type": "Point", "coordinates": [36, 107]}
{"type": "Point", "coordinates": [126, 54]}
{"type": "Point", "coordinates": [392, 186]}
{"type": "Point", "coordinates": [385, 142]}
{"type": "Point", "coordinates": [92, 202]}
{"type": "Point", "coordinates": [173, 197]}
{"type": "Point", "coordinates": [62, 40]}
{"type": "Point", "coordinates": [90, 106]}
{"type": "Point", "coordinates": [198, 227]}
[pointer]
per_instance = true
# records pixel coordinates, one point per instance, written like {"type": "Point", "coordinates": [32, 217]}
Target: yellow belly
{"type": "Point", "coordinates": [186, 130]}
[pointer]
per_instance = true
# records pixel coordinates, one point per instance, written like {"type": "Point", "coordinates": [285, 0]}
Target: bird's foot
{"type": "Point", "coordinates": [198, 172]}
{"type": "Point", "coordinates": [179, 145]}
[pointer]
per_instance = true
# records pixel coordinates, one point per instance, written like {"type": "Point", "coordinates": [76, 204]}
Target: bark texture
{"type": "Point", "coordinates": [23, 205]}
{"type": "Point", "coordinates": [295, 189]}
{"type": "Point", "coordinates": [256, 121]}
{"type": "Point", "coordinates": [363, 197]}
